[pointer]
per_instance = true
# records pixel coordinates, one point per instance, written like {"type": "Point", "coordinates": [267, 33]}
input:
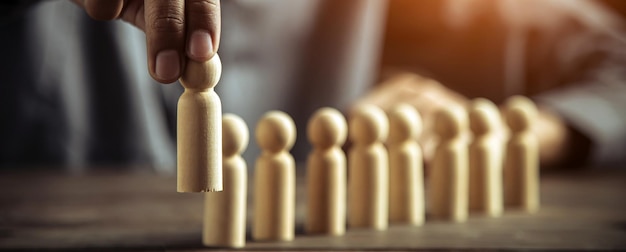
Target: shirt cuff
{"type": "Point", "coordinates": [597, 111]}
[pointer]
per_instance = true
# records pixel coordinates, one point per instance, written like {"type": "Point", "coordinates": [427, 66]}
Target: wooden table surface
{"type": "Point", "coordinates": [583, 209]}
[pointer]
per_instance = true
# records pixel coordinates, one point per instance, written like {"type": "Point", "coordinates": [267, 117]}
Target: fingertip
{"type": "Point", "coordinates": [103, 9]}
{"type": "Point", "coordinates": [203, 22]}
{"type": "Point", "coordinates": [167, 66]}
{"type": "Point", "coordinates": [200, 47]}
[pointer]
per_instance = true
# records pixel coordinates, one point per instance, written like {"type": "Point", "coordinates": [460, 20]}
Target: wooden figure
{"type": "Point", "coordinates": [225, 212]}
{"type": "Point", "coordinates": [449, 182]}
{"type": "Point", "coordinates": [199, 128]}
{"type": "Point", "coordinates": [326, 173]}
{"type": "Point", "coordinates": [368, 186]}
{"type": "Point", "coordinates": [485, 154]}
{"type": "Point", "coordinates": [406, 176]}
{"type": "Point", "coordinates": [521, 169]}
{"type": "Point", "coordinates": [274, 179]}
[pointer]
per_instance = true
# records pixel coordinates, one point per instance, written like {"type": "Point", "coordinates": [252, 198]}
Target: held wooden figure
{"type": "Point", "coordinates": [225, 212]}
{"type": "Point", "coordinates": [486, 158]}
{"type": "Point", "coordinates": [199, 128]}
{"type": "Point", "coordinates": [275, 179]}
{"type": "Point", "coordinates": [326, 173]}
{"type": "Point", "coordinates": [449, 182]}
{"type": "Point", "coordinates": [368, 188]}
{"type": "Point", "coordinates": [521, 168]}
{"type": "Point", "coordinates": [406, 178]}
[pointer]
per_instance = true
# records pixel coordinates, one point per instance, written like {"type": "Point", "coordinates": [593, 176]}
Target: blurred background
{"type": "Point", "coordinates": [75, 93]}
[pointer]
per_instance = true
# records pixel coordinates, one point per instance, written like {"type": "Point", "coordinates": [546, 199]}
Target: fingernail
{"type": "Point", "coordinates": [167, 65]}
{"type": "Point", "coordinates": [200, 45]}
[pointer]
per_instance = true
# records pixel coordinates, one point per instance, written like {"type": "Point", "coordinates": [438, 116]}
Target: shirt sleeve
{"type": "Point", "coordinates": [596, 107]}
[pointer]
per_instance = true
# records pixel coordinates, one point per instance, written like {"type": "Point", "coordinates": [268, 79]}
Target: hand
{"type": "Point", "coordinates": [426, 95]}
{"type": "Point", "coordinates": [174, 29]}
{"type": "Point", "coordinates": [559, 145]}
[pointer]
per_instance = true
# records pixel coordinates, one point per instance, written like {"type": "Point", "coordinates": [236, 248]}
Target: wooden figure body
{"type": "Point", "coordinates": [274, 179]}
{"type": "Point", "coordinates": [368, 188]}
{"type": "Point", "coordinates": [485, 153]}
{"type": "Point", "coordinates": [199, 128]}
{"type": "Point", "coordinates": [326, 173]}
{"type": "Point", "coordinates": [521, 168]}
{"type": "Point", "coordinates": [449, 181]}
{"type": "Point", "coordinates": [406, 178]}
{"type": "Point", "coordinates": [225, 212]}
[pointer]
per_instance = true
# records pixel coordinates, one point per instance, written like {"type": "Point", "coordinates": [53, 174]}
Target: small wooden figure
{"type": "Point", "coordinates": [521, 169]}
{"type": "Point", "coordinates": [406, 178]}
{"type": "Point", "coordinates": [199, 128]}
{"type": "Point", "coordinates": [368, 185]}
{"type": "Point", "coordinates": [449, 182]}
{"type": "Point", "coordinates": [486, 158]}
{"type": "Point", "coordinates": [326, 173]}
{"type": "Point", "coordinates": [275, 179]}
{"type": "Point", "coordinates": [225, 212]}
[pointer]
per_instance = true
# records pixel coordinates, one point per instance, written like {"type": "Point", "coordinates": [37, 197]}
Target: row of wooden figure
{"type": "Point", "coordinates": [385, 183]}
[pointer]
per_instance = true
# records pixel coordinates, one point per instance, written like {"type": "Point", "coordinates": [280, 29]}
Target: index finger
{"type": "Point", "coordinates": [165, 37]}
{"type": "Point", "coordinates": [203, 28]}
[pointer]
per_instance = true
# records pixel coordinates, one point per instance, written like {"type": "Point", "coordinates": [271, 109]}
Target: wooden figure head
{"type": "Point", "coordinates": [405, 123]}
{"type": "Point", "coordinates": [202, 75]}
{"type": "Point", "coordinates": [520, 113]}
{"type": "Point", "coordinates": [276, 131]}
{"type": "Point", "coordinates": [327, 128]}
{"type": "Point", "coordinates": [368, 124]}
{"type": "Point", "coordinates": [484, 116]}
{"type": "Point", "coordinates": [235, 135]}
{"type": "Point", "coordinates": [450, 122]}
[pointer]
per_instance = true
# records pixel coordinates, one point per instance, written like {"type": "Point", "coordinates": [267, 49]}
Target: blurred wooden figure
{"type": "Point", "coordinates": [199, 128]}
{"type": "Point", "coordinates": [406, 178]}
{"type": "Point", "coordinates": [326, 173]}
{"type": "Point", "coordinates": [485, 154]}
{"type": "Point", "coordinates": [368, 185]}
{"type": "Point", "coordinates": [225, 212]}
{"type": "Point", "coordinates": [274, 179]}
{"type": "Point", "coordinates": [449, 182]}
{"type": "Point", "coordinates": [522, 155]}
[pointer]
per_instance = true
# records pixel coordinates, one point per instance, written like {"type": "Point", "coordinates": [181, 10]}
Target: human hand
{"type": "Point", "coordinates": [426, 95]}
{"type": "Point", "coordinates": [174, 29]}
{"type": "Point", "coordinates": [559, 144]}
